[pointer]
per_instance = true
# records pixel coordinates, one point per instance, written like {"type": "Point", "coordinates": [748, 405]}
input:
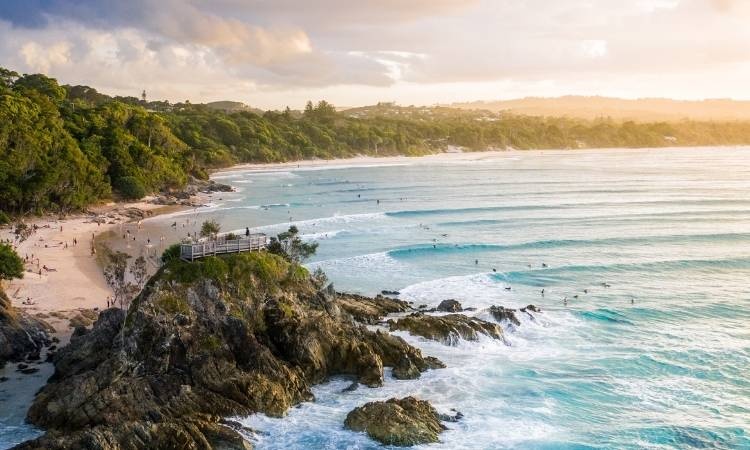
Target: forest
{"type": "Point", "coordinates": [65, 147]}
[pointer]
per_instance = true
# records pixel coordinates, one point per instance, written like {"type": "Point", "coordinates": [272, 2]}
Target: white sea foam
{"type": "Point", "coordinates": [321, 235]}
{"type": "Point", "coordinates": [336, 219]}
{"type": "Point", "coordinates": [364, 263]}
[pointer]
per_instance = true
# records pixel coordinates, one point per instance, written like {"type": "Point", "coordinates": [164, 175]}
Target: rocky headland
{"type": "Point", "coordinates": [215, 338]}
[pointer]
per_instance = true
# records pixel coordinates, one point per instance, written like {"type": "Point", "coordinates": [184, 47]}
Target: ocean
{"type": "Point", "coordinates": [654, 352]}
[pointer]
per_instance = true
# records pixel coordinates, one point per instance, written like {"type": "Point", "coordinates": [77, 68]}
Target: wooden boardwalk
{"type": "Point", "coordinates": [254, 242]}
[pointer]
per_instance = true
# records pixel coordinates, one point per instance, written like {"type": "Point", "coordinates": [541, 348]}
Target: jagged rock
{"type": "Point", "coordinates": [531, 308]}
{"type": "Point", "coordinates": [452, 418]}
{"type": "Point", "coordinates": [447, 329]}
{"type": "Point", "coordinates": [190, 352]}
{"type": "Point", "coordinates": [450, 305]}
{"type": "Point", "coordinates": [370, 310]}
{"type": "Point", "coordinates": [29, 370]}
{"type": "Point", "coordinates": [351, 388]}
{"type": "Point", "coordinates": [501, 313]}
{"type": "Point", "coordinates": [78, 331]}
{"type": "Point", "coordinates": [21, 335]}
{"type": "Point", "coordinates": [387, 292]}
{"type": "Point", "coordinates": [399, 422]}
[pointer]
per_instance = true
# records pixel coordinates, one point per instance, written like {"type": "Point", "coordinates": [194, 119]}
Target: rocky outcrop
{"type": "Point", "coordinates": [370, 310]}
{"type": "Point", "coordinates": [22, 337]}
{"type": "Point", "coordinates": [450, 305]}
{"type": "Point", "coordinates": [530, 309]}
{"type": "Point", "coordinates": [501, 313]}
{"type": "Point", "coordinates": [199, 344]}
{"type": "Point", "coordinates": [402, 423]}
{"type": "Point", "coordinates": [448, 329]}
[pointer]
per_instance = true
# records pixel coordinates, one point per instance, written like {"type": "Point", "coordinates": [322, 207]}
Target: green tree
{"type": "Point", "coordinates": [289, 245]}
{"type": "Point", "coordinates": [210, 228]}
{"type": "Point", "coordinates": [114, 274]}
{"type": "Point", "coordinates": [130, 188]}
{"type": "Point", "coordinates": [11, 265]}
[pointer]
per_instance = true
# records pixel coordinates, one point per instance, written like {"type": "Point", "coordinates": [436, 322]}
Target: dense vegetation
{"type": "Point", "coordinates": [64, 147]}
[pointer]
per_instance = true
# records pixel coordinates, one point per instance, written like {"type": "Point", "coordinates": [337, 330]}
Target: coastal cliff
{"type": "Point", "coordinates": [223, 336]}
{"type": "Point", "coordinates": [21, 336]}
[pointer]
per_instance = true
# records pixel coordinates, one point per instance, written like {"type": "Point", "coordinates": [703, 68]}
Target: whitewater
{"type": "Point", "coordinates": [651, 249]}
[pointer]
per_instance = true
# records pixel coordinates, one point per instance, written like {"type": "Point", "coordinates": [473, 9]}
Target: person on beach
{"type": "Point", "coordinates": [247, 232]}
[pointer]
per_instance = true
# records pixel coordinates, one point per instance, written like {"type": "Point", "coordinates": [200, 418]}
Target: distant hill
{"type": "Point", "coordinates": [647, 109]}
{"type": "Point", "coordinates": [229, 106]}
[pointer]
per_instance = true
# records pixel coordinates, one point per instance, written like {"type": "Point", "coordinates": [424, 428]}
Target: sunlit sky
{"type": "Point", "coordinates": [273, 53]}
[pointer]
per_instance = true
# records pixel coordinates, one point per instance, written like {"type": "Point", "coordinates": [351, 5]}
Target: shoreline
{"type": "Point", "coordinates": [62, 276]}
{"type": "Point", "coordinates": [458, 156]}
{"type": "Point", "coordinates": [75, 281]}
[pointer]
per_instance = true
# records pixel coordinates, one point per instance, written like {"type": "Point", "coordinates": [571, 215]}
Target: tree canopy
{"type": "Point", "coordinates": [65, 147]}
{"type": "Point", "coordinates": [11, 265]}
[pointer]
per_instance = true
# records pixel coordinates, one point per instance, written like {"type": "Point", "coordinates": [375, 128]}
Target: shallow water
{"type": "Point", "coordinates": [16, 394]}
{"type": "Point", "coordinates": [659, 359]}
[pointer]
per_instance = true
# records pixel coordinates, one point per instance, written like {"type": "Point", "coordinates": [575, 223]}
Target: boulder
{"type": "Point", "coordinates": [398, 422]}
{"type": "Point", "coordinates": [531, 308]}
{"type": "Point", "coordinates": [370, 310]}
{"type": "Point", "coordinates": [448, 329]}
{"type": "Point", "coordinates": [501, 313]}
{"type": "Point", "coordinates": [450, 305]}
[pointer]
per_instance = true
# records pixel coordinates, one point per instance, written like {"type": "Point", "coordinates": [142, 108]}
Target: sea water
{"type": "Point", "coordinates": [655, 355]}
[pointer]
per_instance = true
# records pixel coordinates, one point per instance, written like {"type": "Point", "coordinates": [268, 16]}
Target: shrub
{"type": "Point", "coordinates": [172, 253]}
{"type": "Point", "coordinates": [130, 188]}
{"type": "Point", "coordinates": [215, 268]}
{"type": "Point", "coordinates": [11, 265]}
{"type": "Point", "coordinates": [210, 228]}
{"type": "Point", "coordinates": [4, 218]}
{"type": "Point", "coordinates": [172, 304]}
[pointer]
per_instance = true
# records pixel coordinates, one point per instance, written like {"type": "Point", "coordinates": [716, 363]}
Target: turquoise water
{"type": "Point", "coordinates": [659, 359]}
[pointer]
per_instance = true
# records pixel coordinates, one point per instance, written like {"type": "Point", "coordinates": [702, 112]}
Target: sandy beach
{"type": "Point", "coordinates": [63, 278]}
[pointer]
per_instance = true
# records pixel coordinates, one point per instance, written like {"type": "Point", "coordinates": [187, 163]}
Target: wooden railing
{"type": "Point", "coordinates": [193, 251]}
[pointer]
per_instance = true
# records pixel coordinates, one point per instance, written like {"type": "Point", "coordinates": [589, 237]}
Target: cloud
{"type": "Point", "coordinates": [289, 49]}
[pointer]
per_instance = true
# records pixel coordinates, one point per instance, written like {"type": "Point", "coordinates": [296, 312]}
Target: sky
{"type": "Point", "coordinates": [274, 53]}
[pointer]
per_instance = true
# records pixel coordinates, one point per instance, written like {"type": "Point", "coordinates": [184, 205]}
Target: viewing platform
{"type": "Point", "coordinates": [253, 242]}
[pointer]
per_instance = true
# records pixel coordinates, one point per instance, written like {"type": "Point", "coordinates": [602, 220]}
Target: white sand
{"type": "Point", "coordinates": [74, 280]}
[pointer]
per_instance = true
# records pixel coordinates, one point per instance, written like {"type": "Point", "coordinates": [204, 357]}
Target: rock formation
{"type": "Point", "coordinates": [22, 337]}
{"type": "Point", "coordinates": [450, 305]}
{"type": "Point", "coordinates": [370, 310]}
{"type": "Point", "coordinates": [501, 313]}
{"type": "Point", "coordinates": [218, 337]}
{"type": "Point", "coordinates": [402, 423]}
{"type": "Point", "coordinates": [447, 329]}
